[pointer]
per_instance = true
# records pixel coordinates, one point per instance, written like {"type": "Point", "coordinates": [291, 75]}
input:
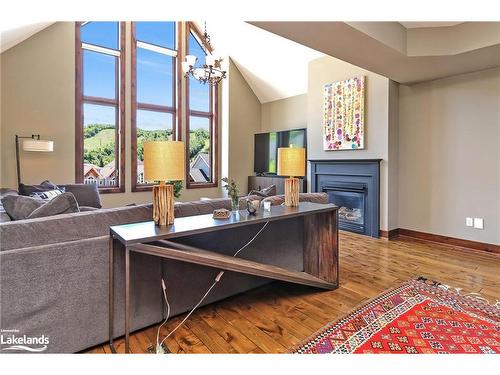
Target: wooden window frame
{"type": "Point", "coordinates": [118, 103]}
{"type": "Point", "coordinates": [212, 116]}
{"type": "Point", "coordinates": [135, 106]}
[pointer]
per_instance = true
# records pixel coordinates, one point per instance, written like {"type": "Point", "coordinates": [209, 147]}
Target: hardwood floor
{"type": "Point", "coordinates": [275, 317]}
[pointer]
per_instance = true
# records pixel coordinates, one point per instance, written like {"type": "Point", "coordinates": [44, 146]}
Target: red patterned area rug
{"type": "Point", "coordinates": [417, 317]}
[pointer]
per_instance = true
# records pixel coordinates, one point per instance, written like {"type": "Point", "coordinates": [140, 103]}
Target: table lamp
{"type": "Point", "coordinates": [164, 161]}
{"type": "Point", "coordinates": [291, 162]}
{"type": "Point", "coordinates": [32, 143]}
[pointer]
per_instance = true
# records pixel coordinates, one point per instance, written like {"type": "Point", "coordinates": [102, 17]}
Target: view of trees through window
{"type": "Point", "coordinates": [100, 46]}
{"type": "Point", "coordinates": [154, 97]}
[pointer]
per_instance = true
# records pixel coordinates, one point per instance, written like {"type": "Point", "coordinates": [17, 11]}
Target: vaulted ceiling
{"type": "Point", "coordinates": [274, 67]}
{"type": "Point", "coordinates": [14, 33]}
{"type": "Point", "coordinates": [416, 54]}
{"type": "Point", "coordinates": [273, 57]}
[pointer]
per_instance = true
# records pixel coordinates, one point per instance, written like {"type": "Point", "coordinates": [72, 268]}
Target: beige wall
{"type": "Point", "coordinates": [393, 158]}
{"type": "Point", "coordinates": [244, 120]}
{"type": "Point", "coordinates": [449, 155]}
{"type": "Point", "coordinates": [38, 96]}
{"type": "Point", "coordinates": [327, 70]}
{"type": "Point", "coordinates": [289, 113]}
{"type": "Point", "coordinates": [307, 110]}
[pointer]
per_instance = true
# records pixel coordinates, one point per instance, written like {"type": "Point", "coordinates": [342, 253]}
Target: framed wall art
{"type": "Point", "coordinates": [344, 115]}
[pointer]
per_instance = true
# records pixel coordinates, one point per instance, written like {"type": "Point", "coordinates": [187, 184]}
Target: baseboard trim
{"type": "Point", "coordinates": [389, 234]}
{"type": "Point", "coordinates": [492, 248]}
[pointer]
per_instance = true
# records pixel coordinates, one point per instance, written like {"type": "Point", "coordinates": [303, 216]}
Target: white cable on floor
{"type": "Point", "coordinates": [164, 288]}
{"type": "Point", "coordinates": [217, 279]}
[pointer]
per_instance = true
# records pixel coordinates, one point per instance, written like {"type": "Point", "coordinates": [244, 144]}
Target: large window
{"type": "Point", "coordinates": [201, 120]}
{"type": "Point", "coordinates": [154, 89]}
{"type": "Point", "coordinates": [100, 89]}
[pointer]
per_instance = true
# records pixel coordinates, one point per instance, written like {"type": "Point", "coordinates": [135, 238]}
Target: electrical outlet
{"type": "Point", "coordinates": [478, 223]}
{"type": "Point", "coordinates": [469, 221]}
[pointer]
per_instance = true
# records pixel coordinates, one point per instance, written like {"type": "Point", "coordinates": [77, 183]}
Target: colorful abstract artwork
{"type": "Point", "coordinates": [344, 115]}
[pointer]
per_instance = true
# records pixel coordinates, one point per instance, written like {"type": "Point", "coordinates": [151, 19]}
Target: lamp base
{"type": "Point", "coordinates": [163, 204]}
{"type": "Point", "coordinates": [292, 192]}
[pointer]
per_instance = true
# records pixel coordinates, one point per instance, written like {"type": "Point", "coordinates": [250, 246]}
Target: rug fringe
{"type": "Point", "coordinates": [474, 295]}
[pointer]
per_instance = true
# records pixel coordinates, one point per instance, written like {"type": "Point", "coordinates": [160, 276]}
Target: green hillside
{"type": "Point", "coordinates": [99, 142]}
{"type": "Point", "coordinates": [101, 139]}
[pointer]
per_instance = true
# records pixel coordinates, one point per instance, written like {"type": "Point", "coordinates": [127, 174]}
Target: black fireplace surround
{"type": "Point", "coordinates": [354, 186]}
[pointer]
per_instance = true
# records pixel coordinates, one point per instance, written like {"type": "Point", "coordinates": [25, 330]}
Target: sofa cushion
{"type": "Point", "coordinates": [19, 207]}
{"type": "Point", "coordinates": [68, 227]}
{"type": "Point", "coordinates": [3, 193]}
{"type": "Point", "coordinates": [303, 197]}
{"type": "Point", "coordinates": [61, 204]}
{"type": "Point", "coordinates": [266, 192]}
{"type": "Point", "coordinates": [85, 194]}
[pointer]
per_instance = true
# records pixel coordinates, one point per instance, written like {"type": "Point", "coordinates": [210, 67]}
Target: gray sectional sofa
{"type": "Point", "coordinates": [54, 272]}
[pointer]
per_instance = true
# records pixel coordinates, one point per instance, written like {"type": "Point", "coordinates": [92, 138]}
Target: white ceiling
{"type": "Point", "coordinates": [416, 25]}
{"type": "Point", "coordinates": [13, 33]}
{"type": "Point", "coordinates": [274, 67]}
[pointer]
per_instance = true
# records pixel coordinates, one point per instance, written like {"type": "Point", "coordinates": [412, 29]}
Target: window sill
{"type": "Point", "coordinates": [139, 188]}
{"type": "Point", "coordinates": [202, 185]}
{"type": "Point", "coordinates": [110, 190]}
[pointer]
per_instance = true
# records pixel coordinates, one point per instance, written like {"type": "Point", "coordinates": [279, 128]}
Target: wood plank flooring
{"type": "Point", "coordinates": [275, 317]}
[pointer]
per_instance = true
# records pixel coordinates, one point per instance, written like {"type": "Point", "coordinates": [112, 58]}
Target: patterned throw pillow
{"type": "Point", "coordinates": [47, 195]}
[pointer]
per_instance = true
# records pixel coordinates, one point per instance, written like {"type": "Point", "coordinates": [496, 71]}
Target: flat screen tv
{"type": "Point", "coordinates": [266, 148]}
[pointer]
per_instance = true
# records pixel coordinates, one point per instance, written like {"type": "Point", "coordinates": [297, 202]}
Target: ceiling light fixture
{"type": "Point", "coordinates": [211, 71]}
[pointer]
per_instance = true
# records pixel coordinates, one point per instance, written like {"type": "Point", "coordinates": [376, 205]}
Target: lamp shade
{"type": "Point", "coordinates": [291, 161]}
{"type": "Point", "coordinates": [164, 161]}
{"type": "Point", "coordinates": [38, 145]}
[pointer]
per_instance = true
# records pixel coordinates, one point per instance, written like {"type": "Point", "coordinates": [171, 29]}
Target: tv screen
{"type": "Point", "coordinates": [266, 148]}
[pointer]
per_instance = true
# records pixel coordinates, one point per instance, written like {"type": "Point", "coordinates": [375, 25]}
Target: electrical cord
{"type": "Point", "coordinates": [159, 345]}
{"type": "Point", "coordinates": [164, 288]}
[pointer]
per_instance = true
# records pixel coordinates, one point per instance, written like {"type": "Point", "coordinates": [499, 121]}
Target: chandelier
{"type": "Point", "coordinates": [211, 71]}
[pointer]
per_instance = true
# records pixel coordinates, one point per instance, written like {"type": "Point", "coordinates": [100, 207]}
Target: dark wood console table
{"type": "Point", "coordinates": [320, 248]}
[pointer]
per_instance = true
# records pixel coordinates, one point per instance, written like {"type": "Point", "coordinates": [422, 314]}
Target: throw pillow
{"type": "Point", "coordinates": [267, 192]}
{"type": "Point", "coordinates": [46, 185]}
{"type": "Point", "coordinates": [47, 195]}
{"type": "Point", "coordinates": [85, 194]}
{"type": "Point", "coordinates": [4, 217]}
{"type": "Point", "coordinates": [19, 207]}
{"type": "Point", "coordinates": [62, 204]}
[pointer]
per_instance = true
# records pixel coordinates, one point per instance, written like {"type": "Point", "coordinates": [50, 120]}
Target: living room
{"type": "Point", "coordinates": [234, 186]}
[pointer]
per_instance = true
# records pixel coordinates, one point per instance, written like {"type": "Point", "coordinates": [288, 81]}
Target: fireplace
{"type": "Point", "coordinates": [353, 186]}
{"type": "Point", "coordinates": [351, 200]}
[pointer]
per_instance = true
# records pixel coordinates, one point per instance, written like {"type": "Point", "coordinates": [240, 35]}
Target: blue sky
{"type": "Point", "coordinates": [154, 74]}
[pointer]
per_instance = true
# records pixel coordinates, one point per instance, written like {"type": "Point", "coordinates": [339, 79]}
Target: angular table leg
{"type": "Point", "coordinates": [321, 248]}
{"type": "Point", "coordinates": [127, 299]}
